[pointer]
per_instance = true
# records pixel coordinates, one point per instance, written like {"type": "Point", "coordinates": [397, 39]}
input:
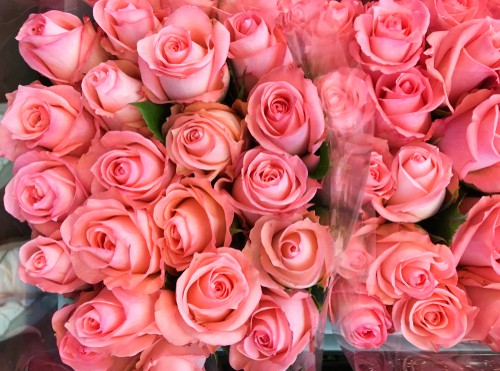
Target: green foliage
{"type": "Point", "coordinates": [324, 162]}
{"type": "Point", "coordinates": [155, 115]}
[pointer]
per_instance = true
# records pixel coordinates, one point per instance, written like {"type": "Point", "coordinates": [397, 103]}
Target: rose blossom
{"type": "Point", "coordinates": [469, 138]}
{"type": "Point", "coordinates": [390, 35]}
{"type": "Point", "coordinates": [446, 14]}
{"type": "Point", "coordinates": [194, 218]}
{"type": "Point", "coordinates": [59, 46]}
{"type": "Point", "coordinates": [380, 183]}
{"type": "Point", "coordinates": [269, 183]}
{"type": "Point", "coordinates": [113, 242]}
{"type": "Point", "coordinates": [125, 23]}
{"type": "Point", "coordinates": [475, 243]}
{"type": "Point", "coordinates": [213, 300]}
{"type": "Point", "coordinates": [44, 190]}
{"type": "Point", "coordinates": [441, 320]}
{"type": "Point", "coordinates": [205, 139]}
{"type": "Point", "coordinates": [408, 264]}
{"type": "Point", "coordinates": [279, 329]}
{"type": "Point", "coordinates": [465, 57]}
{"type": "Point", "coordinates": [422, 174]}
{"type": "Point", "coordinates": [46, 118]}
{"type": "Point", "coordinates": [293, 250]}
{"type": "Point", "coordinates": [186, 60]}
{"type": "Point", "coordinates": [284, 113]}
{"type": "Point", "coordinates": [163, 8]}
{"type": "Point", "coordinates": [135, 166]}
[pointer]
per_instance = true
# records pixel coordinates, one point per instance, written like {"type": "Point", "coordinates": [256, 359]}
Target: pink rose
{"type": "Point", "coordinates": [404, 102]}
{"type": "Point", "coordinates": [482, 285]}
{"type": "Point", "coordinates": [284, 113]}
{"type": "Point", "coordinates": [380, 183]}
{"type": "Point", "coordinates": [279, 329]}
{"type": "Point", "coordinates": [465, 57]}
{"type": "Point", "coordinates": [205, 139]}
{"type": "Point", "coordinates": [186, 60]}
{"type": "Point", "coordinates": [113, 242]}
{"type": "Point", "coordinates": [446, 14]}
{"type": "Point", "coordinates": [45, 189]}
{"type": "Point", "coordinates": [268, 183]}
{"type": "Point", "coordinates": [108, 90]}
{"type": "Point", "coordinates": [441, 320]}
{"type": "Point", "coordinates": [46, 118]}
{"type": "Point", "coordinates": [390, 35]}
{"type": "Point", "coordinates": [163, 8]}
{"type": "Point", "coordinates": [135, 166]}
{"type": "Point", "coordinates": [408, 264]}
{"type": "Point", "coordinates": [213, 300]}
{"type": "Point", "coordinates": [475, 243]}
{"type": "Point", "coordinates": [59, 46]}
{"type": "Point", "coordinates": [422, 174]}
{"type": "Point", "coordinates": [194, 218]}
{"type": "Point", "coordinates": [293, 250]}
{"type": "Point", "coordinates": [125, 23]}
{"type": "Point", "coordinates": [468, 139]}
{"type": "Point", "coordinates": [45, 263]}
{"type": "Point", "coordinates": [494, 8]}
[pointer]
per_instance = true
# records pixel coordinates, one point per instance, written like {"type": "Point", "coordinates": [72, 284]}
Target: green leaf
{"type": "Point", "coordinates": [324, 162]}
{"type": "Point", "coordinates": [318, 294]}
{"type": "Point", "coordinates": [154, 115]}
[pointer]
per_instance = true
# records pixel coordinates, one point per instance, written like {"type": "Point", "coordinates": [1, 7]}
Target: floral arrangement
{"type": "Point", "coordinates": [177, 158]}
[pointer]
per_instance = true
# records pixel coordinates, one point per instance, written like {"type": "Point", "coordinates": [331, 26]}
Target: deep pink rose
{"type": "Point", "coordinates": [475, 243]}
{"type": "Point", "coordinates": [44, 190]}
{"type": "Point", "coordinates": [468, 138]}
{"type": "Point", "coordinates": [59, 46]}
{"type": "Point", "coordinates": [390, 35]}
{"type": "Point", "coordinates": [293, 250]}
{"type": "Point", "coordinates": [194, 218]}
{"type": "Point", "coordinates": [441, 320]}
{"type": "Point", "coordinates": [205, 139]}
{"type": "Point", "coordinates": [125, 22]}
{"type": "Point", "coordinates": [113, 242]}
{"type": "Point", "coordinates": [285, 114]}
{"type": "Point", "coordinates": [268, 183]}
{"type": "Point", "coordinates": [135, 166]}
{"type": "Point", "coordinates": [446, 14]}
{"type": "Point", "coordinates": [466, 57]}
{"type": "Point", "coordinates": [422, 174]}
{"type": "Point", "coordinates": [46, 118]}
{"type": "Point", "coordinates": [186, 60]}
{"type": "Point", "coordinates": [408, 264]}
{"type": "Point", "coordinates": [380, 182]}
{"type": "Point", "coordinates": [494, 8]}
{"type": "Point", "coordinates": [279, 329]}
{"type": "Point", "coordinates": [44, 262]}
{"type": "Point", "coordinates": [213, 300]}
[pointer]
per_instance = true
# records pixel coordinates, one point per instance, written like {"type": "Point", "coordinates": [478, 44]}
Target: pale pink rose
{"type": "Point", "coordinates": [125, 22]}
{"type": "Point", "coordinates": [279, 329]}
{"type": "Point", "coordinates": [111, 241]}
{"type": "Point", "coordinates": [363, 320]}
{"type": "Point", "coordinates": [163, 355]}
{"type": "Point", "coordinates": [468, 138]}
{"type": "Point", "coordinates": [346, 99]}
{"type": "Point", "coordinates": [293, 250]}
{"type": "Point", "coordinates": [60, 46]}
{"type": "Point", "coordinates": [390, 35]}
{"type": "Point", "coordinates": [441, 320]}
{"type": "Point", "coordinates": [482, 285]}
{"type": "Point", "coordinates": [163, 8]}
{"type": "Point", "coordinates": [135, 166]}
{"type": "Point", "coordinates": [186, 60]}
{"type": "Point", "coordinates": [269, 183]}
{"type": "Point", "coordinates": [44, 262]}
{"type": "Point", "coordinates": [194, 218]}
{"type": "Point", "coordinates": [404, 102]}
{"type": "Point", "coordinates": [266, 8]}
{"type": "Point", "coordinates": [256, 46]}
{"type": "Point", "coordinates": [285, 114]}
{"type": "Point", "coordinates": [446, 14]}
{"type": "Point", "coordinates": [408, 264]}
{"type": "Point", "coordinates": [475, 243]}
{"type": "Point", "coordinates": [213, 300]}
{"type": "Point", "coordinates": [205, 139]}
{"type": "Point", "coordinates": [44, 190]}
{"type": "Point", "coordinates": [45, 118]}
{"type": "Point", "coordinates": [465, 57]}
{"type": "Point", "coordinates": [380, 182]}
{"type": "Point", "coordinates": [422, 174]}
{"type": "Point", "coordinates": [109, 89]}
